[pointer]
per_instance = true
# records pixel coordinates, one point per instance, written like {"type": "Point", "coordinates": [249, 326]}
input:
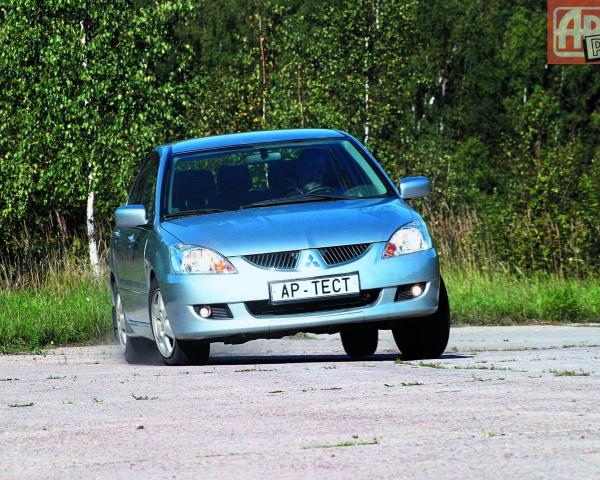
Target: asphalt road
{"type": "Point", "coordinates": [504, 402]}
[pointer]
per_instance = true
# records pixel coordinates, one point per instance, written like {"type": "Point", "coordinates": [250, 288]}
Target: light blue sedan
{"type": "Point", "coordinates": [266, 234]}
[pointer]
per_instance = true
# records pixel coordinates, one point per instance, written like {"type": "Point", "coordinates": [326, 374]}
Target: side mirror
{"type": "Point", "coordinates": [130, 216]}
{"type": "Point", "coordinates": [414, 187]}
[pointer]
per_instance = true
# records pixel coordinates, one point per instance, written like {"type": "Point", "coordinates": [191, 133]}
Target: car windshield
{"type": "Point", "coordinates": [273, 174]}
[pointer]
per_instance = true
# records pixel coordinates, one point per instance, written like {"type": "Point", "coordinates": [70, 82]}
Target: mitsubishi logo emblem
{"type": "Point", "coordinates": [311, 261]}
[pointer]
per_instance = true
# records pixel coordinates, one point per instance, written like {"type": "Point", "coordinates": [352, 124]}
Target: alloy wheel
{"type": "Point", "coordinates": [163, 334]}
{"type": "Point", "coordinates": [120, 320]}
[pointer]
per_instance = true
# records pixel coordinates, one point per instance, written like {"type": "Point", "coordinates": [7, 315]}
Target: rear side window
{"type": "Point", "coordinates": [144, 188]}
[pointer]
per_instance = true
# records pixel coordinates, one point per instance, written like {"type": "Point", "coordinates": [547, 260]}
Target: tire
{"type": "Point", "coordinates": [135, 349]}
{"type": "Point", "coordinates": [359, 341]}
{"type": "Point", "coordinates": [425, 337]}
{"type": "Point", "coordinates": [118, 317]}
{"type": "Point", "coordinates": [171, 350]}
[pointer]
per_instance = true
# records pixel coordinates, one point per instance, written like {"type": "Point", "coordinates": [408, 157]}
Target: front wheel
{"type": "Point", "coordinates": [359, 341]}
{"type": "Point", "coordinates": [425, 337]}
{"type": "Point", "coordinates": [172, 351]}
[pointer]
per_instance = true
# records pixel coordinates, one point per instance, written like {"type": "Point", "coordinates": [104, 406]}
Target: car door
{"type": "Point", "coordinates": [130, 243]}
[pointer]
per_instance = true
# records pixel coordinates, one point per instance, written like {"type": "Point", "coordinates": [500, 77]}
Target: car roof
{"type": "Point", "coordinates": [251, 138]}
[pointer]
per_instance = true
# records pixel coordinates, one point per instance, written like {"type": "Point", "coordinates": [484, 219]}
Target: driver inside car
{"type": "Point", "coordinates": [311, 170]}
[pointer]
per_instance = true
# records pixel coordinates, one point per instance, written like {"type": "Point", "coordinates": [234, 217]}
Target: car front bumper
{"type": "Point", "coordinates": [182, 292]}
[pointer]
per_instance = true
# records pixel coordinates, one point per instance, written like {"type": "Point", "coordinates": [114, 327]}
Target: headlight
{"type": "Point", "coordinates": [413, 237]}
{"type": "Point", "coordinates": [191, 259]}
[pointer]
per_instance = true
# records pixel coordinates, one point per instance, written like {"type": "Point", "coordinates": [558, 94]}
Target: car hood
{"type": "Point", "coordinates": [293, 227]}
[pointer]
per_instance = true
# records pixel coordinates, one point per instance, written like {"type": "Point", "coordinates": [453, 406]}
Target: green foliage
{"type": "Point", "coordinates": [74, 307]}
{"type": "Point", "coordinates": [499, 299]}
{"type": "Point", "coordinates": [68, 309]}
{"type": "Point", "coordinates": [89, 87]}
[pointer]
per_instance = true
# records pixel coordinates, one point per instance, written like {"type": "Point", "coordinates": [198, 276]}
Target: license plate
{"type": "Point", "coordinates": [311, 288]}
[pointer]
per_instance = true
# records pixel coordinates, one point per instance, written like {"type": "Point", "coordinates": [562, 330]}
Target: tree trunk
{"type": "Point", "coordinates": [263, 70]}
{"type": "Point", "coordinates": [367, 67]}
{"type": "Point", "coordinates": [89, 214]}
{"type": "Point", "coordinates": [367, 110]}
{"type": "Point", "coordinates": [299, 90]}
{"type": "Point", "coordinates": [91, 226]}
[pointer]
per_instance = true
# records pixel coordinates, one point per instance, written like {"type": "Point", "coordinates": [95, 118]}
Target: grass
{"type": "Point", "coordinates": [475, 378]}
{"type": "Point", "coordinates": [432, 364]}
{"type": "Point", "coordinates": [478, 367]}
{"type": "Point", "coordinates": [58, 301]}
{"type": "Point", "coordinates": [246, 370]}
{"type": "Point", "coordinates": [503, 299]}
{"type": "Point", "coordinates": [349, 443]}
{"type": "Point", "coordinates": [411, 384]}
{"type": "Point", "coordinates": [143, 397]}
{"type": "Point", "coordinates": [74, 307]}
{"type": "Point", "coordinates": [569, 373]}
{"type": "Point", "coordinates": [20, 405]}
{"type": "Point", "coordinates": [492, 434]}
{"type": "Point", "coordinates": [61, 311]}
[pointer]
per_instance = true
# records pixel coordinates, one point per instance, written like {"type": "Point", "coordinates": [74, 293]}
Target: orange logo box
{"type": "Point", "coordinates": [573, 31]}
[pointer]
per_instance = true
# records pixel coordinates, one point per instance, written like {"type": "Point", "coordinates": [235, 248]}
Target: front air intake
{"type": "Point", "coordinates": [343, 253]}
{"type": "Point", "coordinates": [274, 260]}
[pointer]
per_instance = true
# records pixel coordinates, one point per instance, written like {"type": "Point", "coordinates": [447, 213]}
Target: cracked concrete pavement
{"type": "Point", "coordinates": [503, 402]}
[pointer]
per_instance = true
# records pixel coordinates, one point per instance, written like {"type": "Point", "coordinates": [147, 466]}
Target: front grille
{"type": "Point", "coordinates": [219, 311]}
{"type": "Point", "coordinates": [343, 253]}
{"type": "Point", "coordinates": [265, 308]}
{"type": "Point", "coordinates": [275, 260]}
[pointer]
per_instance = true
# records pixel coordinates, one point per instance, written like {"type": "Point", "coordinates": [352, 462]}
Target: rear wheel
{"type": "Point", "coordinates": [172, 351]}
{"type": "Point", "coordinates": [359, 340]}
{"type": "Point", "coordinates": [425, 337]}
{"type": "Point", "coordinates": [119, 319]}
{"type": "Point", "coordinates": [135, 349]}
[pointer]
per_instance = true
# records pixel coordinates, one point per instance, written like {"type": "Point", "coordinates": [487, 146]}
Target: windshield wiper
{"type": "Point", "coordinates": [198, 211]}
{"type": "Point", "coordinates": [305, 197]}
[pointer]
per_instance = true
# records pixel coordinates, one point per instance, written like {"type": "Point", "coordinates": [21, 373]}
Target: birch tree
{"type": "Point", "coordinates": [89, 88]}
{"type": "Point", "coordinates": [90, 222]}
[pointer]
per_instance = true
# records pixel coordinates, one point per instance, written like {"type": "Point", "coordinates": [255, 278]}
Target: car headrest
{"type": "Point", "coordinates": [313, 153]}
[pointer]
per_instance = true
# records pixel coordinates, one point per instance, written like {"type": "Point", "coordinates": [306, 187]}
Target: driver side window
{"type": "Point", "coordinates": [144, 188]}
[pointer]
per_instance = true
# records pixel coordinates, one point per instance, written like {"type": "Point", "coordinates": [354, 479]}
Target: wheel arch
{"type": "Point", "coordinates": [151, 276]}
